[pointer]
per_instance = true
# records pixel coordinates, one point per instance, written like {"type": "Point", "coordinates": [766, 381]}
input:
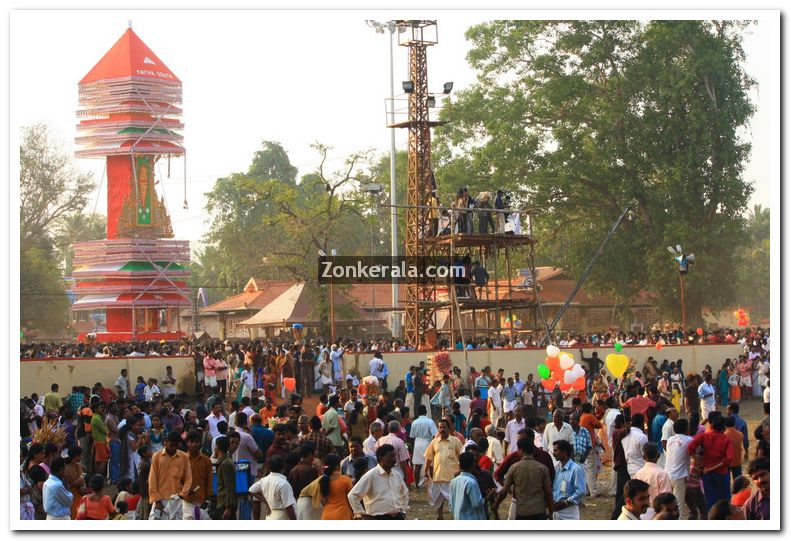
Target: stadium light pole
{"type": "Point", "coordinates": [380, 27]}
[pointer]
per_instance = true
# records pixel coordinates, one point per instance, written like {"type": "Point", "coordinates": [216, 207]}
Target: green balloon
{"type": "Point", "coordinates": [618, 347]}
{"type": "Point", "coordinates": [543, 371]}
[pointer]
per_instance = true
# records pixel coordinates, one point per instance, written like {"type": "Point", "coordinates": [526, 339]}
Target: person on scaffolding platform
{"type": "Point", "coordinates": [499, 204]}
{"type": "Point", "coordinates": [480, 278]}
{"type": "Point", "coordinates": [433, 213]}
{"type": "Point", "coordinates": [461, 211]}
{"type": "Point", "coordinates": [485, 221]}
{"type": "Point", "coordinates": [471, 204]}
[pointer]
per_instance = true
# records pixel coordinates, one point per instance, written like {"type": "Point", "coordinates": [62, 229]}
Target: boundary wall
{"type": "Point", "coordinates": [36, 375]}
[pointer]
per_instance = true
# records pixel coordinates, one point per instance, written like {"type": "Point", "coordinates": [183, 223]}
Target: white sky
{"type": "Point", "coordinates": [289, 76]}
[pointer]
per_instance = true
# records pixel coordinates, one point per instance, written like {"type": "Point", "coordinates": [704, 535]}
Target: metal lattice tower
{"type": "Point", "coordinates": [420, 310]}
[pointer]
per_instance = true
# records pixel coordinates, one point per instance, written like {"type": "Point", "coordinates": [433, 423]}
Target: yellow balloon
{"type": "Point", "coordinates": [617, 364]}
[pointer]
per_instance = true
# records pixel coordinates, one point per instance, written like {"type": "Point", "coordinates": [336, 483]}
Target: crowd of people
{"type": "Point", "coordinates": [521, 340]}
{"type": "Point", "coordinates": [245, 445]}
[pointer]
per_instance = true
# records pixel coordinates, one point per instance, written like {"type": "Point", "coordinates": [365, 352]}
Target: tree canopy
{"type": "Point", "coordinates": [583, 118]}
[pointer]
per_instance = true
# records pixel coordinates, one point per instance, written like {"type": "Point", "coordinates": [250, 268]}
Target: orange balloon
{"type": "Point", "coordinates": [699, 331]}
{"type": "Point", "coordinates": [549, 384]}
{"type": "Point", "coordinates": [565, 386]}
{"type": "Point", "coordinates": [553, 363]}
{"type": "Point", "coordinates": [290, 384]}
{"type": "Point", "coordinates": [579, 384]}
{"type": "Point", "coordinates": [659, 346]}
{"type": "Point", "coordinates": [558, 374]}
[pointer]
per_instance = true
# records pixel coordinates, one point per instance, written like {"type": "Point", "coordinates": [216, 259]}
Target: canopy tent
{"type": "Point", "coordinates": [289, 308]}
{"type": "Point", "coordinates": [298, 305]}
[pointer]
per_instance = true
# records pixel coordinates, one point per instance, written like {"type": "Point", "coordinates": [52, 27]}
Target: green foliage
{"type": "Point", "coordinates": [53, 195]}
{"type": "Point", "coordinates": [273, 228]}
{"type": "Point", "coordinates": [583, 118]}
{"type": "Point", "coordinates": [43, 305]}
{"type": "Point", "coordinates": [752, 263]}
{"type": "Point", "coordinates": [73, 228]}
{"type": "Point", "coordinates": [50, 187]}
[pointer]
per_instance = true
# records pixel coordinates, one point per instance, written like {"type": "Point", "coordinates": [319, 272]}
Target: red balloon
{"type": "Point", "coordinates": [565, 386]}
{"type": "Point", "coordinates": [553, 363]}
{"type": "Point", "coordinates": [557, 375]}
{"type": "Point", "coordinates": [549, 384]}
{"type": "Point", "coordinates": [579, 384]}
{"type": "Point", "coordinates": [699, 331]}
{"type": "Point", "coordinates": [659, 346]}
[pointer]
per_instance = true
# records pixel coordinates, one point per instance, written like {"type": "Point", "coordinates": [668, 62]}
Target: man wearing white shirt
{"type": "Point", "coordinates": [374, 433]}
{"type": "Point", "coordinates": [464, 402]}
{"type": "Point", "coordinates": [247, 381]}
{"type": "Point", "coordinates": [215, 417]}
{"type": "Point", "coordinates": [276, 492]}
{"type": "Point", "coordinates": [667, 428]}
{"type": "Point", "coordinates": [336, 356]}
{"type": "Point", "coordinates": [377, 367]}
{"type": "Point", "coordinates": [512, 428]}
{"type": "Point", "coordinates": [381, 493]}
{"type": "Point", "coordinates": [151, 390]}
{"type": "Point", "coordinates": [495, 405]}
{"type": "Point", "coordinates": [706, 393]}
{"type": "Point", "coordinates": [633, 445]}
{"type": "Point", "coordinates": [422, 431]}
{"type": "Point", "coordinates": [557, 430]}
{"type": "Point", "coordinates": [677, 463]}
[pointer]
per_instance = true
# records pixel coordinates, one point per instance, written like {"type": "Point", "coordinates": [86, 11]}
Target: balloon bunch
{"type": "Point", "coordinates": [742, 317]}
{"type": "Point", "coordinates": [559, 368]}
{"type": "Point", "coordinates": [514, 322]}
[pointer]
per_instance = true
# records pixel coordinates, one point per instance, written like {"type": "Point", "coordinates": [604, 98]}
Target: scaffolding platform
{"type": "Point", "coordinates": [473, 240]}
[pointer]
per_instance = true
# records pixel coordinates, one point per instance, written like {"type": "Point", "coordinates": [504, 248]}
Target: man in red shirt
{"type": "Point", "coordinates": [640, 404]}
{"type": "Point", "coordinates": [717, 456]}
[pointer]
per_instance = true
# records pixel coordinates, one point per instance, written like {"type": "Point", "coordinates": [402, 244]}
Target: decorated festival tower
{"type": "Point", "coordinates": [132, 284]}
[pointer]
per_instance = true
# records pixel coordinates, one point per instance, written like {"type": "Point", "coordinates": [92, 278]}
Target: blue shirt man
{"type": "Point", "coordinates": [568, 489]}
{"type": "Point", "coordinates": [482, 384]}
{"type": "Point", "coordinates": [410, 387]}
{"type": "Point", "coordinates": [56, 498]}
{"type": "Point", "coordinates": [741, 425]}
{"type": "Point", "coordinates": [656, 429]}
{"type": "Point", "coordinates": [262, 436]}
{"type": "Point", "coordinates": [466, 501]}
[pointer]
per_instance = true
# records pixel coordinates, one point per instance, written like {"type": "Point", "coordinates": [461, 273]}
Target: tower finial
{"type": "Point", "coordinates": [130, 23]}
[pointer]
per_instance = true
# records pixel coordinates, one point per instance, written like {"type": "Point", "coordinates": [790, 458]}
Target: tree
{"type": "Point", "coordinates": [73, 228]}
{"type": "Point", "coordinates": [584, 118]}
{"type": "Point", "coordinates": [50, 186]}
{"type": "Point", "coordinates": [753, 264]}
{"type": "Point", "coordinates": [43, 305]}
{"type": "Point", "coordinates": [242, 212]}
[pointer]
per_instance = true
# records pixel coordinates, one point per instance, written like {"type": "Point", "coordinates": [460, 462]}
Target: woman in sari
{"type": "Point", "coordinates": [723, 385]}
{"type": "Point", "coordinates": [73, 478]}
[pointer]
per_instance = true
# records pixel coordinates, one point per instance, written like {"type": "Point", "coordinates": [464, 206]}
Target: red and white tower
{"type": "Point", "coordinates": [129, 116]}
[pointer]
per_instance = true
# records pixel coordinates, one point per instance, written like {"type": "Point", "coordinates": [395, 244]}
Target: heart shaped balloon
{"type": "Point", "coordinates": [565, 386]}
{"type": "Point", "coordinates": [659, 346]}
{"type": "Point", "coordinates": [566, 360]}
{"type": "Point", "coordinates": [549, 384]}
{"type": "Point", "coordinates": [552, 351]}
{"type": "Point", "coordinates": [618, 347]}
{"type": "Point", "coordinates": [617, 364]}
{"type": "Point", "coordinates": [579, 384]}
{"type": "Point", "coordinates": [574, 374]}
{"type": "Point", "coordinates": [553, 363]}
